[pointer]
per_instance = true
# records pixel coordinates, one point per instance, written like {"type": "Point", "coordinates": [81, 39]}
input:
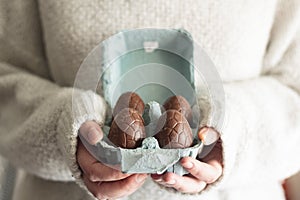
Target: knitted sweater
{"type": "Point", "coordinates": [255, 46]}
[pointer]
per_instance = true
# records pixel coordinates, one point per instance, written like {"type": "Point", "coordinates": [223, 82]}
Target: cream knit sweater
{"type": "Point", "coordinates": [254, 44]}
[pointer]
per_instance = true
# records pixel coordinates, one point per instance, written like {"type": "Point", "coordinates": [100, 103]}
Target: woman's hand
{"type": "Point", "coordinates": [102, 181]}
{"type": "Point", "coordinates": [201, 173]}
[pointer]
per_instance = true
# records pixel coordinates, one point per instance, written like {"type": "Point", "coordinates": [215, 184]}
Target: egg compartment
{"type": "Point", "coordinates": [155, 64]}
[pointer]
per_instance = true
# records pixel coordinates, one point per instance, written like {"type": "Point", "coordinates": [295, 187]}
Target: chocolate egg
{"type": "Point", "coordinates": [129, 100]}
{"type": "Point", "coordinates": [173, 130]}
{"type": "Point", "coordinates": [180, 104]}
{"type": "Point", "coordinates": [127, 129]}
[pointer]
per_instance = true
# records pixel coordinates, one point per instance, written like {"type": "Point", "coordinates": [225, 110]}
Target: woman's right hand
{"type": "Point", "coordinates": [102, 181]}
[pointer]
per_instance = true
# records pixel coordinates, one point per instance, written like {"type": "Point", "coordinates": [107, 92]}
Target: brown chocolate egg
{"type": "Point", "coordinates": [129, 100]}
{"type": "Point", "coordinates": [174, 131]}
{"type": "Point", "coordinates": [127, 129]}
{"type": "Point", "coordinates": [180, 104]}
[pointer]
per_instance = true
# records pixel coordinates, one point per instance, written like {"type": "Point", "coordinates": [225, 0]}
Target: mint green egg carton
{"type": "Point", "coordinates": [155, 64]}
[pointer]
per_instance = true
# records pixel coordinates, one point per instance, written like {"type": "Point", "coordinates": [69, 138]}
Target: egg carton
{"type": "Point", "coordinates": [156, 64]}
{"type": "Point", "coordinates": [149, 158]}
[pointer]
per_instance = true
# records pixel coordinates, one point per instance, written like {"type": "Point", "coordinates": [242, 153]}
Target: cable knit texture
{"type": "Point", "coordinates": [255, 46]}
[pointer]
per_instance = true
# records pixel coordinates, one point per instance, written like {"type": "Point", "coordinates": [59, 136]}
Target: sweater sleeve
{"type": "Point", "coordinates": [38, 125]}
{"type": "Point", "coordinates": [261, 132]}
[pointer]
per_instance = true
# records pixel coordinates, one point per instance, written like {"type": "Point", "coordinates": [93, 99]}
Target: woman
{"type": "Point", "coordinates": [255, 46]}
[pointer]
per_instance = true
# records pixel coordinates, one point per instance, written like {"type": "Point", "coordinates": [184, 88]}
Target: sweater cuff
{"type": "Point", "coordinates": [80, 106]}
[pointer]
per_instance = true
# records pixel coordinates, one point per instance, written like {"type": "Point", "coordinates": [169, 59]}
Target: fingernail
{"type": "Point", "coordinates": [140, 178]}
{"type": "Point", "coordinates": [93, 136]}
{"type": "Point", "coordinates": [188, 165]}
{"type": "Point", "coordinates": [156, 177]}
{"type": "Point", "coordinates": [208, 136]}
{"type": "Point", "coordinates": [171, 182]}
{"type": "Point", "coordinates": [158, 180]}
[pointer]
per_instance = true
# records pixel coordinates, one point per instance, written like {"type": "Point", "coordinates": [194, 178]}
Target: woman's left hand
{"type": "Point", "coordinates": [201, 173]}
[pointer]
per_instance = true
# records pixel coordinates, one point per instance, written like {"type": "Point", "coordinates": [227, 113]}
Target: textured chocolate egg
{"type": "Point", "coordinates": [129, 100]}
{"type": "Point", "coordinates": [180, 104]}
{"type": "Point", "coordinates": [127, 129]}
{"type": "Point", "coordinates": [173, 130]}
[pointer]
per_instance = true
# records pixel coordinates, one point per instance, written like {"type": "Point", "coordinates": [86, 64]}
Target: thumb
{"type": "Point", "coordinates": [208, 135]}
{"type": "Point", "coordinates": [91, 132]}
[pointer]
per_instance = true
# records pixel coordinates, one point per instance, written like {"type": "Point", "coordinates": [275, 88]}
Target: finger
{"type": "Point", "coordinates": [215, 154]}
{"type": "Point", "coordinates": [208, 135]}
{"type": "Point", "coordinates": [185, 184]}
{"type": "Point", "coordinates": [208, 173]}
{"type": "Point", "coordinates": [91, 132]}
{"type": "Point", "coordinates": [95, 170]}
{"type": "Point", "coordinates": [115, 189]}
